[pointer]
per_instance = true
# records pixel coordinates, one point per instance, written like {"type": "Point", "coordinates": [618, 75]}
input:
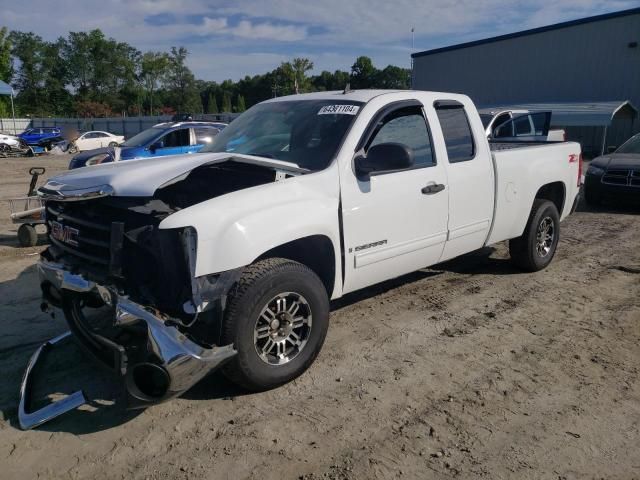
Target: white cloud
{"type": "Point", "coordinates": [251, 30]}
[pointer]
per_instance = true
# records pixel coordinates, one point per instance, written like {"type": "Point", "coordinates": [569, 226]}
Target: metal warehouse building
{"type": "Point", "coordinates": [594, 60]}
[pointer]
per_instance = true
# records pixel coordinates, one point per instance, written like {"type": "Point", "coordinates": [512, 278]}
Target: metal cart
{"type": "Point", "coordinates": [28, 211]}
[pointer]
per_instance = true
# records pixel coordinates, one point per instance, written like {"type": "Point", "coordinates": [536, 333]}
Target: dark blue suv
{"type": "Point", "coordinates": [172, 138]}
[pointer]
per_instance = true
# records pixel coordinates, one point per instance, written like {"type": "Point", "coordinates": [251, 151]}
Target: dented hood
{"type": "Point", "coordinates": [139, 178]}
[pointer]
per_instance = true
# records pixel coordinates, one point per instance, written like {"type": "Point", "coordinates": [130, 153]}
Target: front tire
{"type": "Point", "coordinates": [277, 318]}
{"type": "Point", "coordinates": [535, 248]}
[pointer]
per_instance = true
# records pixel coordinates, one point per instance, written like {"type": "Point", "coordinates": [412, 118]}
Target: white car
{"type": "Point", "coordinates": [97, 139]}
{"type": "Point", "coordinates": [8, 142]}
{"type": "Point", "coordinates": [230, 257]}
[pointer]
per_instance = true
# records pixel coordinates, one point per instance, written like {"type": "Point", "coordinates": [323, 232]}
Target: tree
{"type": "Point", "coordinates": [393, 77]}
{"type": "Point", "coordinates": [240, 105]}
{"type": "Point", "coordinates": [87, 108]}
{"type": "Point", "coordinates": [363, 73]}
{"type": "Point", "coordinates": [300, 68]}
{"type": "Point", "coordinates": [153, 68]}
{"type": "Point", "coordinates": [28, 48]}
{"type": "Point", "coordinates": [226, 102]}
{"type": "Point", "coordinates": [212, 103]}
{"type": "Point", "coordinates": [181, 82]}
{"type": "Point", "coordinates": [6, 67]}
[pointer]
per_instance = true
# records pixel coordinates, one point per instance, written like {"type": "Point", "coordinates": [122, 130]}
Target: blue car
{"type": "Point", "coordinates": [172, 138]}
{"type": "Point", "coordinates": [39, 136]}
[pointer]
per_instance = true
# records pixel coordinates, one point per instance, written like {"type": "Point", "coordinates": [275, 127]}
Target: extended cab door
{"type": "Point", "coordinates": [463, 143]}
{"type": "Point", "coordinates": [394, 221]}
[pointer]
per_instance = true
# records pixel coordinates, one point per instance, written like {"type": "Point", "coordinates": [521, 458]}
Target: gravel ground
{"type": "Point", "coordinates": [468, 369]}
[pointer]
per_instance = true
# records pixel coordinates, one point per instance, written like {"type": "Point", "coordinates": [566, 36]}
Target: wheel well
{"type": "Point", "coordinates": [316, 252]}
{"type": "Point", "coordinates": [555, 193]}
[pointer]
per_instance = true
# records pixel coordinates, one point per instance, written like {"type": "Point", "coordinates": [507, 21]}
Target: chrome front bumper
{"type": "Point", "coordinates": [178, 360]}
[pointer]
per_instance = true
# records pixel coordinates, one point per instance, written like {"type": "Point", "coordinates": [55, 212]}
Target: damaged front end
{"type": "Point", "coordinates": [129, 292]}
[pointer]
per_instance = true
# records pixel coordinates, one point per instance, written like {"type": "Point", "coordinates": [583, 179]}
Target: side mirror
{"type": "Point", "coordinates": [384, 157]}
{"type": "Point", "coordinates": [155, 146]}
{"type": "Point", "coordinates": [612, 148]}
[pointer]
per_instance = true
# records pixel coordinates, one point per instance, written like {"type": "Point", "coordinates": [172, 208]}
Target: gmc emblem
{"type": "Point", "coordinates": [64, 233]}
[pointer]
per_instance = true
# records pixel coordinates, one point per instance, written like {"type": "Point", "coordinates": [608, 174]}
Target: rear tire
{"type": "Point", "coordinates": [27, 235]}
{"type": "Point", "coordinates": [535, 248]}
{"type": "Point", "coordinates": [277, 318]}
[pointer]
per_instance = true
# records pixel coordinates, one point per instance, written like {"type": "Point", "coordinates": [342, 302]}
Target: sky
{"type": "Point", "coordinates": [228, 39]}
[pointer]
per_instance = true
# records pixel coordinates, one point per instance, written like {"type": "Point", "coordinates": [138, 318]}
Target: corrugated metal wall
{"type": "Point", "coordinates": [586, 62]}
{"type": "Point", "coordinates": [21, 124]}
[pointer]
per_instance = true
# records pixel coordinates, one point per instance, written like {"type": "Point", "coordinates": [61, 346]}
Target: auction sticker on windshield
{"type": "Point", "coordinates": [339, 109]}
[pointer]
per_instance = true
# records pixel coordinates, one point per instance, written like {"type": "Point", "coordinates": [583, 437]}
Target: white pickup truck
{"type": "Point", "coordinates": [169, 268]}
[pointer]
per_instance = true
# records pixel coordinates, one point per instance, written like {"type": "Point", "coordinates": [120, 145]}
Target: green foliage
{"type": "Point", "coordinates": [240, 106]}
{"type": "Point", "coordinates": [226, 102]}
{"type": "Point", "coordinates": [6, 65]}
{"type": "Point", "coordinates": [87, 73]}
{"type": "Point", "coordinates": [212, 103]}
{"type": "Point", "coordinates": [363, 73]}
{"type": "Point", "coordinates": [153, 67]}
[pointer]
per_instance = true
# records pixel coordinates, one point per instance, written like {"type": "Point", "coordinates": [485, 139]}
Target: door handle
{"type": "Point", "coordinates": [431, 189]}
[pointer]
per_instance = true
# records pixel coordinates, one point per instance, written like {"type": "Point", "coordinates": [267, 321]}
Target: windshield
{"type": "Point", "coordinates": [304, 132]}
{"type": "Point", "coordinates": [143, 138]}
{"type": "Point", "coordinates": [630, 146]}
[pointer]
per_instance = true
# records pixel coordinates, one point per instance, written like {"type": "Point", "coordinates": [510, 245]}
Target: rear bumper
{"type": "Point", "coordinates": [169, 363]}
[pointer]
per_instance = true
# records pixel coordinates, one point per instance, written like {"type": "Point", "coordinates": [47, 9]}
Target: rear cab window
{"type": "Point", "coordinates": [456, 130]}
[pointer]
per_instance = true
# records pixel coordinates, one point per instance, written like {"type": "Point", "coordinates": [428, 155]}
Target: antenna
{"type": "Point", "coordinates": [347, 89]}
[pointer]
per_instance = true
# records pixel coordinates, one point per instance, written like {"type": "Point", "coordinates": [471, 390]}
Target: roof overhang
{"type": "Point", "coordinates": [577, 114]}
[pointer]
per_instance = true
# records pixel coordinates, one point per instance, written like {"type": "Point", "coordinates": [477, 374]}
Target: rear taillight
{"type": "Point", "coordinates": [580, 169]}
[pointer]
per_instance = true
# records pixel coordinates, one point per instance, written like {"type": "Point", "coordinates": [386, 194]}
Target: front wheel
{"type": "Point", "coordinates": [277, 318]}
{"type": "Point", "coordinates": [535, 248]}
{"type": "Point", "coordinates": [113, 144]}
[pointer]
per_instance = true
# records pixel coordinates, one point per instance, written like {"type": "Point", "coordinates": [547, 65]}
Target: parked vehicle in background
{"type": "Point", "coordinates": [96, 139]}
{"type": "Point", "coordinates": [519, 125]}
{"type": "Point", "coordinates": [8, 142]}
{"type": "Point", "coordinates": [230, 257]}
{"type": "Point", "coordinates": [614, 175]}
{"type": "Point", "coordinates": [41, 136]}
{"type": "Point", "coordinates": [171, 138]}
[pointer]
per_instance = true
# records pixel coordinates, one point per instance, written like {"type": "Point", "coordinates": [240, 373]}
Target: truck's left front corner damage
{"type": "Point", "coordinates": [159, 355]}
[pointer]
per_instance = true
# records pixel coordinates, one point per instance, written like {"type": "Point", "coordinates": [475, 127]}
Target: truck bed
{"type": "Point", "coordinates": [520, 169]}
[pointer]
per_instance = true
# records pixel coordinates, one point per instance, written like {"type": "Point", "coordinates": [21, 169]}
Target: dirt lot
{"type": "Point", "coordinates": [469, 369]}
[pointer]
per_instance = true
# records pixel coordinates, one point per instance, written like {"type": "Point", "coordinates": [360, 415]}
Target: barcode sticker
{"type": "Point", "coordinates": [339, 110]}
